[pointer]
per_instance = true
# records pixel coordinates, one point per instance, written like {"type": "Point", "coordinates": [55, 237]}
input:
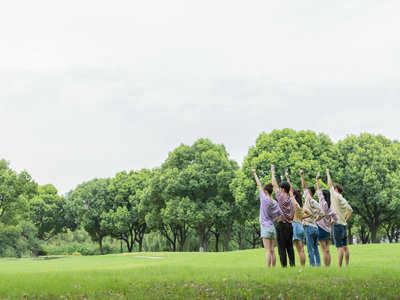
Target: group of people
{"type": "Point", "coordinates": [303, 219]}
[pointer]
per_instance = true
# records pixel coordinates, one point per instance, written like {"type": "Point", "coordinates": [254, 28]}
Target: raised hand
{"type": "Point", "coordinates": [272, 168]}
{"type": "Point", "coordinates": [301, 172]}
{"type": "Point", "coordinates": [318, 175]}
{"type": "Point", "coordinates": [254, 171]}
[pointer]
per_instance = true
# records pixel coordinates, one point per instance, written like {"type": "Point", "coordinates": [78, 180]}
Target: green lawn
{"type": "Point", "coordinates": [374, 273]}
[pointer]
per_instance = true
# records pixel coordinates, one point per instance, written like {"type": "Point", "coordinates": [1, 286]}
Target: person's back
{"type": "Point", "coordinates": [343, 211]}
{"type": "Point", "coordinates": [339, 204]}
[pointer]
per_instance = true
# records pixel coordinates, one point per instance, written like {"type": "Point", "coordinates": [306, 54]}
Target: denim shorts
{"type": "Point", "coordinates": [268, 232]}
{"type": "Point", "coordinates": [323, 234]}
{"type": "Point", "coordinates": [298, 232]}
{"type": "Point", "coordinates": [339, 235]}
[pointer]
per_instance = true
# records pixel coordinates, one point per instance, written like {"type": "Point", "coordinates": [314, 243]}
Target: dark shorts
{"type": "Point", "coordinates": [322, 234]}
{"type": "Point", "coordinates": [339, 235]}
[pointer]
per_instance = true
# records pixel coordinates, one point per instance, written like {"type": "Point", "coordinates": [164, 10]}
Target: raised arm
{"type": "Point", "coordinates": [273, 180]}
{"type": "Point", "coordinates": [291, 188]}
{"type": "Point", "coordinates": [257, 180]}
{"type": "Point", "coordinates": [329, 178]}
{"type": "Point", "coordinates": [303, 182]}
{"type": "Point", "coordinates": [317, 179]}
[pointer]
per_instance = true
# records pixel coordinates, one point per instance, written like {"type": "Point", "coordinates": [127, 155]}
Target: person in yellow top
{"type": "Point", "coordinates": [343, 211]}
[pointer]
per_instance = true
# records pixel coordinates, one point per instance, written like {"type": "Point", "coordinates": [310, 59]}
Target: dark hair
{"type": "Point", "coordinates": [297, 196]}
{"type": "Point", "coordinates": [285, 185]}
{"type": "Point", "coordinates": [327, 196]}
{"type": "Point", "coordinates": [312, 190]}
{"type": "Point", "coordinates": [339, 188]}
{"type": "Point", "coordinates": [269, 188]}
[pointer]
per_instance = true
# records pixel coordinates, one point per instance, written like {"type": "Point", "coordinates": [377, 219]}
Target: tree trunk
{"type": "Point", "coordinates": [183, 234]}
{"type": "Point", "coordinates": [364, 235]}
{"type": "Point", "coordinates": [227, 237]}
{"type": "Point", "coordinates": [216, 242]}
{"type": "Point", "coordinates": [373, 230]}
{"type": "Point", "coordinates": [202, 240]}
{"type": "Point", "coordinates": [101, 244]}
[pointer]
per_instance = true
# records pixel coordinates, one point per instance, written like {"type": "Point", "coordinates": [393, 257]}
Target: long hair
{"type": "Point", "coordinates": [327, 196]}
{"type": "Point", "coordinates": [297, 196]}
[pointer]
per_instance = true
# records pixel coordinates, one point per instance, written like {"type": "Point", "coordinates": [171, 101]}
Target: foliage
{"type": "Point", "coordinates": [91, 200]}
{"type": "Point", "coordinates": [371, 178]}
{"type": "Point", "coordinates": [15, 191]}
{"type": "Point", "coordinates": [126, 219]}
{"type": "Point", "coordinates": [288, 150]}
{"type": "Point", "coordinates": [47, 212]}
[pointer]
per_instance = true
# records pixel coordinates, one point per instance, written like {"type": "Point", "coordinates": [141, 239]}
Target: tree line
{"type": "Point", "coordinates": [200, 191]}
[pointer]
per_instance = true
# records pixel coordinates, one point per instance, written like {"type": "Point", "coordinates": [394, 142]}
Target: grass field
{"type": "Point", "coordinates": [374, 273]}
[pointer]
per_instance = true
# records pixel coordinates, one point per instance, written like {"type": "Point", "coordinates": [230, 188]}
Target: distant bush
{"type": "Point", "coordinates": [165, 248]}
{"type": "Point", "coordinates": [76, 254]}
{"type": "Point", "coordinates": [42, 252]}
{"type": "Point", "coordinates": [65, 253]}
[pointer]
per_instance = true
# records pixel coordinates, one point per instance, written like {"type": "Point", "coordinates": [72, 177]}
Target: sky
{"type": "Point", "coordinates": [91, 88]}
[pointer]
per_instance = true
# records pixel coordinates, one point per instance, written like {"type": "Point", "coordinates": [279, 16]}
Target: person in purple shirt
{"type": "Point", "coordinates": [269, 210]}
{"type": "Point", "coordinates": [324, 225]}
{"type": "Point", "coordinates": [284, 229]}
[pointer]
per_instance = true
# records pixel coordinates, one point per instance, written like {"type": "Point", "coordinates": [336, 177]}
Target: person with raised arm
{"type": "Point", "coordinates": [343, 211]}
{"type": "Point", "coordinates": [309, 222]}
{"type": "Point", "coordinates": [284, 230]}
{"type": "Point", "coordinates": [269, 210]}
{"type": "Point", "coordinates": [324, 225]}
{"type": "Point", "coordinates": [298, 230]}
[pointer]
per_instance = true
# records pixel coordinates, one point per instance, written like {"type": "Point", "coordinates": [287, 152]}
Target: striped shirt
{"type": "Point", "coordinates": [330, 215]}
{"type": "Point", "coordinates": [287, 207]}
{"type": "Point", "coordinates": [313, 209]}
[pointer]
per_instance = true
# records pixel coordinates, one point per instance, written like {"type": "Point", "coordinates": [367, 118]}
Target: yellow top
{"type": "Point", "coordinates": [298, 212]}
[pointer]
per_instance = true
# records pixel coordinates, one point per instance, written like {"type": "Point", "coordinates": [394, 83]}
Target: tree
{"type": "Point", "coordinates": [126, 219]}
{"type": "Point", "coordinates": [91, 200]}
{"type": "Point", "coordinates": [15, 191]}
{"type": "Point", "coordinates": [197, 178]}
{"type": "Point", "coordinates": [371, 179]}
{"type": "Point", "coordinates": [288, 150]}
{"type": "Point", "coordinates": [47, 212]}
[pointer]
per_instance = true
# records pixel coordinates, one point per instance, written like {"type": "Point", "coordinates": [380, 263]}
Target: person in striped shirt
{"type": "Point", "coordinates": [324, 225]}
{"type": "Point", "coordinates": [298, 230]}
{"type": "Point", "coordinates": [344, 211]}
{"type": "Point", "coordinates": [284, 229]}
{"type": "Point", "coordinates": [309, 222]}
{"type": "Point", "coordinates": [269, 209]}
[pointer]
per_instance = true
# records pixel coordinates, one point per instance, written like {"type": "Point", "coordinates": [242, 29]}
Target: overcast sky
{"type": "Point", "coordinates": [91, 88]}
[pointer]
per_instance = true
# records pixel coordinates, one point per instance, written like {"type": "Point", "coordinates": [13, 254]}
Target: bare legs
{"type": "Point", "coordinates": [270, 252]}
{"type": "Point", "coordinates": [325, 252]}
{"type": "Point", "coordinates": [343, 250]}
{"type": "Point", "coordinates": [300, 250]}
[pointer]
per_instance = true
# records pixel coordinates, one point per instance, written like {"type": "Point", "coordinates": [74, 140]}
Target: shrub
{"type": "Point", "coordinates": [76, 254]}
{"type": "Point", "coordinates": [165, 248]}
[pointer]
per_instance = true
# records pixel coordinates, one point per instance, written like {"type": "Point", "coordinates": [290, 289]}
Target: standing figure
{"type": "Point", "coordinates": [284, 228]}
{"type": "Point", "coordinates": [324, 225]}
{"type": "Point", "coordinates": [269, 209]}
{"type": "Point", "coordinates": [343, 211]}
{"type": "Point", "coordinates": [314, 214]}
{"type": "Point", "coordinates": [298, 230]}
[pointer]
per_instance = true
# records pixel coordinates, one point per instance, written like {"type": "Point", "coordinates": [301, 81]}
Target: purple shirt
{"type": "Point", "coordinates": [287, 207]}
{"type": "Point", "coordinates": [330, 215]}
{"type": "Point", "coordinates": [268, 210]}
